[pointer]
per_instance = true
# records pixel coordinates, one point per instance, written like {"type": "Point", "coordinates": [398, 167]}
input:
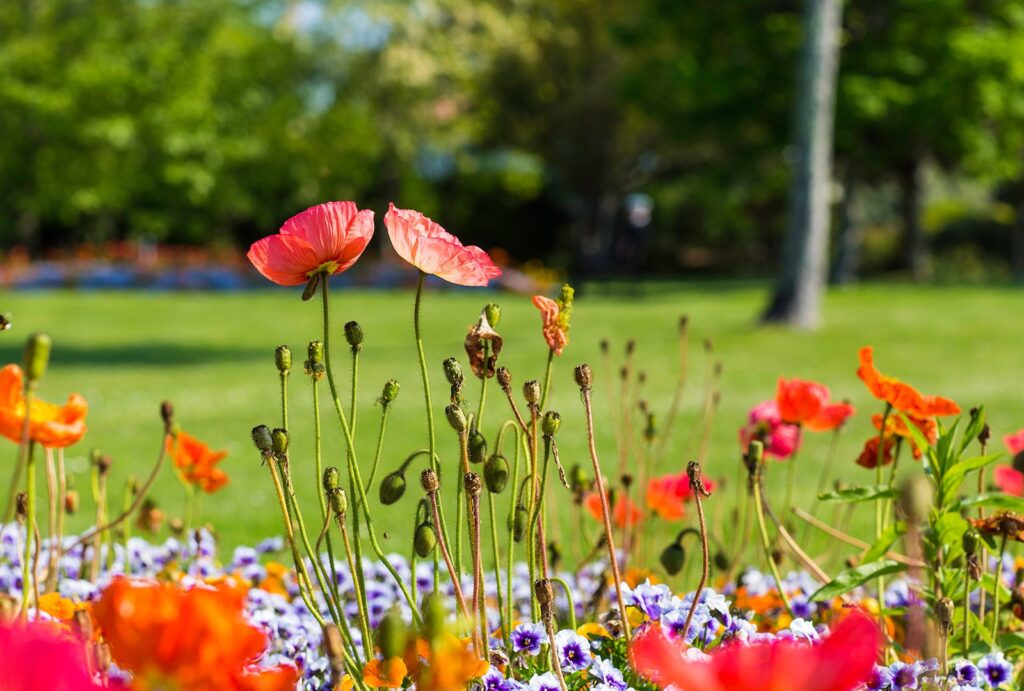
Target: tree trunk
{"type": "Point", "coordinates": [847, 260]}
{"type": "Point", "coordinates": [797, 296]}
{"type": "Point", "coordinates": [1017, 245]}
{"type": "Point", "coordinates": [915, 249]}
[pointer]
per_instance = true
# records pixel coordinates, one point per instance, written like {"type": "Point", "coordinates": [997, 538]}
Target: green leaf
{"type": "Point", "coordinates": [974, 426]}
{"type": "Point", "coordinates": [992, 500]}
{"type": "Point", "coordinates": [884, 542]}
{"type": "Point", "coordinates": [860, 494]}
{"type": "Point", "coordinates": [1011, 639]}
{"type": "Point", "coordinates": [859, 575]}
{"type": "Point", "coordinates": [954, 477]}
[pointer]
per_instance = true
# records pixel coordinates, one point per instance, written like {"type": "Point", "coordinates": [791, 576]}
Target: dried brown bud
{"type": "Point", "coordinates": [103, 464]}
{"type": "Point", "coordinates": [473, 484]}
{"type": "Point", "coordinates": [531, 392]}
{"type": "Point", "coordinates": [21, 506]}
{"type": "Point", "coordinates": [429, 481]}
{"type": "Point", "coordinates": [944, 611]}
{"type": "Point", "coordinates": [544, 592]}
{"type": "Point", "coordinates": [167, 414]}
{"type": "Point", "coordinates": [584, 377]}
{"type": "Point", "coordinates": [630, 346]}
{"type": "Point", "coordinates": [504, 380]}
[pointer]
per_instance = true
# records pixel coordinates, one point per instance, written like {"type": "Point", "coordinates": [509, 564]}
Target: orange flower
{"type": "Point", "coordinates": [666, 495]}
{"type": "Point", "coordinates": [555, 315]}
{"type": "Point", "coordinates": [197, 462]}
{"type": "Point", "coordinates": [624, 513]}
{"type": "Point", "coordinates": [895, 425]}
{"type": "Point", "coordinates": [830, 417]}
{"type": "Point", "coordinates": [386, 674]}
{"type": "Point", "coordinates": [452, 665]}
{"type": "Point", "coordinates": [57, 607]}
{"type": "Point", "coordinates": [52, 425]}
{"type": "Point", "coordinates": [869, 455]}
{"type": "Point", "coordinates": [194, 639]}
{"type": "Point", "coordinates": [802, 402]}
{"type": "Point", "coordinates": [901, 396]}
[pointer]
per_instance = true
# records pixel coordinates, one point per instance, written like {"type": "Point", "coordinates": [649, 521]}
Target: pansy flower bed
{"type": "Point", "coordinates": [932, 598]}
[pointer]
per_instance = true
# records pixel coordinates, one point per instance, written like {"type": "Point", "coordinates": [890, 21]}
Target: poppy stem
{"type": "Point", "coordinates": [62, 493]}
{"type": "Point", "coordinates": [511, 531]}
{"type": "Point", "coordinates": [496, 553]}
{"type": "Point", "coordinates": [52, 497]}
{"type": "Point", "coordinates": [766, 542]}
{"type": "Point", "coordinates": [568, 597]}
{"type": "Point", "coordinates": [380, 446]}
{"type": "Point", "coordinates": [699, 491]}
{"type": "Point", "coordinates": [364, 619]}
{"type": "Point", "coordinates": [28, 575]}
{"type": "Point", "coordinates": [880, 507]}
{"type": "Point", "coordinates": [967, 607]}
{"type": "Point", "coordinates": [442, 543]}
{"type": "Point", "coordinates": [997, 584]}
{"type": "Point", "coordinates": [483, 387]}
{"type": "Point", "coordinates": [547, 380]}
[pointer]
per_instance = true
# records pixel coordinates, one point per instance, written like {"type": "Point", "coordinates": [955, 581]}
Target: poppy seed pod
{"type": "Point", "coordinates": [424, 540]}
{"type": "Point", "coordinates": [496, 474]}
{"type": "Point", "coordinates": [392, 487]}
{"type": "Point", "coordinates": [456, 418]}
{"type": "Point", "coordinates": [331, 478]}
{"type": "Point", "coordinates": [673, 558]}
{"type": "Point", "coordinates": [354, 335]}
{"type": "Point", "coordinates": [493, 313]}
{"type": "Point", "coordinates": [544, 592]}
{"type": "Point", "coordinates": [473, 484]}
{"type": "Point", "coordinates": [283, 359]}
{"type": "Point", "coordinates": [584, 377]}
{"type": "Point", "coordinates": [262, 438]}
{"type": "Point", "coordinates": [392, 634]}
{"type": "Point", "coordinates": [280, 439]}
{"type": "Point", "coordinates": [338, 500]}
{"type": "Point", "coordinates": [36, 356]}
{"type": "Point", "coordinates": [429, 481]}
{"type": "Point", "coordinates": [504, 380]}
{"type": "Point", "coordinates": [477, 447]}
{"type": "Point", "coordinates": [531, 392]}
{"type": "Point", "coordinates": [390, 392]}
{"type": "Point", "coordinates": [550, 423]}
{"type": "Point", "coordinates": [453, 372]}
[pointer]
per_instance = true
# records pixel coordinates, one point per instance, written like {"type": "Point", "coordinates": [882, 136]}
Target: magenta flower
{"type": "Point", "coordinates": [780, 439]}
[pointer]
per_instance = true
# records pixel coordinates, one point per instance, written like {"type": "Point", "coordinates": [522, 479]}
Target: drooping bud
{"type": "Point", "coordinates": [262, 438]}
{"type": "Point", "coordinates": [338, 500]}
{"type": "Point", "coordinates": [493, 313]}
{"type": "Point", "coordinates": [283, 359]}
{"type": "Point", "coordinates": [531, 392]}
{"type": "Point", "coordinates": [354, 335]}
{"type": "Point", "coordinates": [550, 423]}
{"type": "Point", "coordinates": [429, 481]}
{"type": "Point", "coordinates": [311, 285]}
{"type": "Point", "coordinates": [944, 611]}
{"type": "Point", "coordinates": [167, 415]}
{"type": "Point", "coordinates": [673, 558]}
{"type": "Point", "coordinates": [390, 392]}
{"type": "Point", "coordinates": [456, 418]}
{"type": "Point", "coordinates": [21, 507]}
{"type": "Point", "coordinates": [392, 487]}
{"type": "Point", "coordinates": [473, 484]}
{"type": "Point", "coordinates": [36, 356]}
{"type": "Point", "coordinates": [477, 447]}
{"type": "Point", "coordinates": [496, 474]}
{"type": "Point", "coordinates": [722, 562]}
{"type": "Point", "coordinates": [504, 380]}
{"type": "Point", "coordinates": [519, 518]}
{"type": "Point", "coordinates": [453, 372]}
{"type": "Point", "coordinates": [425, 539]}
{"type": "Point", "coordinates": [584, 377]}
{"type": "Point", "coordinates": [331, 478]}
{"type": "Point", "coordinates": [392, 635]}
{"type": "Point", "coordinates": [578, 481]}
{"type": "Point", "coordinates": [280, 439]}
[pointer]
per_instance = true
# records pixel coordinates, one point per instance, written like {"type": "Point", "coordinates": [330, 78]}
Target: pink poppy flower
{"type": "Point", "coordinates": [1014, 442]}
{"type": "Point", "coordinates": [328, 237]}
{"type": "Point", "coordinates": [433, 250]}
{"type": "Point", "coordinates": [1009, 480]}
{"type": "Point", "coordinates": [39, 656]}
{"type": "Point", "coordinates": [780, 439]}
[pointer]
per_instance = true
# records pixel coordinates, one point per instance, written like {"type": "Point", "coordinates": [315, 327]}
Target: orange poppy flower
{"type": "Point", "coordinates": [57, 607]}
{"type": "Point", "coordinates": [830, 417]}
{"type": "Point", "coordinates": [869, 454]}
{"type": "Point", "coordinates": [197, 462]}
{"type": "Point", "coordinates": [555, 316]}
{"type": "Point", "coordinates": [384, 674]}
{"type": "Point", "coordinates": [894, 424]}
{"type": "Point", "coordinates": [667, 495]}
{"type": "Point", "coordinates": [802, 402]}
{"type": "Point", "coordinates": [901, 396]}
{"type": "Point", "coordinates": [625, 513]}
{"type": "Point", "coordinates": [452, 665]}
{"type": "Point", "coordinates": [194, 639]}
{"type": "Point", "coordinates": [53, 426]}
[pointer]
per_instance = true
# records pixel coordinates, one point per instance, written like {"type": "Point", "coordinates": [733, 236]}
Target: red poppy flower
{"type": "Point", "coordinates": [841, 662]}
{"type": "Point", "coordinates": [625, 513]}
{"type": "Point", "coordinates": [869, 454]}
{"type": "Point", "coordinates": [328, 237]}
{"type": "Point", "coordinates": [197, 462]}
{"type": "Point", "coordinates": [894, 425]}
{"type": "Point", "coordinates": [194, 639]}
{"type": "Point", "coordinates": [433, 250]}
{"type": "Point", "coordinates": [901, 396]}
{"type": "Point", "coordinates": [799, 400]}
{"type": "Point", "coordinates": [667, 495]}
{"type": "Point", "coordinates": [39, 656]}
{"type": "Point", "coordinates": [830, 417]}
{"type": "Point", "coordinates": [1014, 442]}
{"type": "Point", "coordinates": [1009, 480]}
{"type": "Point", "coordinates": [51, 425]}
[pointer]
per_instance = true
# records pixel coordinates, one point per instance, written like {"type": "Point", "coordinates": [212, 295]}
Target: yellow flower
{"type": "Point", "coordinates": [592, 630]}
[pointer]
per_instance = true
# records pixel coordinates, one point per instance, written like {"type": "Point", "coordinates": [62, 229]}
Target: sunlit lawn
{"type": "Point", "coordinates": [212, 355]}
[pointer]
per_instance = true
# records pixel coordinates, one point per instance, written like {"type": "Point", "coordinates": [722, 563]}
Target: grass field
{"type": "Point", "coordinates": [212, 355]}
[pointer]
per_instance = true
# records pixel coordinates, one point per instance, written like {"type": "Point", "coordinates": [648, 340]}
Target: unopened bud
{"type": "Point", "coordinates": [425, 539]}
{"type": "Point", "coordinates": [36, 356]}
{"type": "Point", "coordinates": [311, 285]}
{"type": "Point", "coordinates": [578, 481]}
{"type": "Point", "coordinates": [916, 498]}
{"type": "Point", "coordinates": [604, 346]}
{"type": "Point", "coordinates": [550, 423]}
{"type": "Point", "coordinates": [283, 359]}
{"type": "Point", "coordinates": [429, 481]}
{"type": "Point", "coordinates": [584, 377]}
{"type": "Point", "coordinates": [71, 502]}
{"type": "Point", "coordinates": [722, 562]}
{"type": "Point", "coordinates": [531, 392]}
{"type": "Point", "coordinates": [21, 506]}
{"type": "Point", "coordinates": [103, 465]}
{"type": "Point", "coordinates": [456, 418]}
{"type": "Point", "coordinates": [280, 438]}
{"type": "Point", "coordinates": [673, 558]}
{"type": "Point", "coordinates": [944, 611]}
{"type": "Point", "coordinates": [315, 360]}
{"type": "Point", "coordinates": [519, 518]}
{"type": "Point", "coordinates": [504, 380]}
{"type": "Point", "coordinates": [262, 438]}
{"type": "Point", "coordinates": [477, 447]}
{"type": "Point", "coordinates": [338, 500]}
{"type": "Point", "coordinates": [392, 487]}
{"type": "Point", "coordinates": [453, 372]}
{"type": "Point", "coordinates": [390, 392]}
{"type": "Point", "coordinates": [435, 616]}
{"type": "Point", "coordinates": [331, 478]}
{"type": "Point", "coordinates": [493, 313]}
{"type": "Point", "coordinates": [544, 592]}
{"type": "Point", "coordinates": [354, 335]}
{"type": "Point", "coordinates": [971, 540]}
{"type": "Point", "coordinates": [392, 634]}
{"type": "Point", "coordinates": [496, 474]}
{"type": "Point", "coordinates": [473, 484]}
{"type": "Point", "coordinates": [630, 346]}
{"type": "Point", "coordinates": [167, 414]}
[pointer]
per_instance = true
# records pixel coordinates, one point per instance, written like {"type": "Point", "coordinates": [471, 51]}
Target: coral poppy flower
{"type": "Point", "coordinates": [197, 462]}
{"type": "Point", "coordinates": [667, 495]}
{"type": "Point", "coordinates": [433, 250]}
{"type": "Point", "coordinates": [1014, 442]}
{"type": "Point", "coordinates": [1009, 480]}
{"type": "Point", "coordinates": [830, 417]}
{"type": "Point", "coordinates": [800, 401]}
{"type": "Point", "coordinates": [869, 454]}
{"type": "Point", "coordinates": [38, 656]}
{"type": "Point", "coordinates": [51, 425]}
{"type": "Point", "coordinates": [901, 396]}
{"type": "Point", "coordinates": [841, 662]}
{"type": "Point", "coordinates": [625, 513]}
{"type": "Point", "coordinates": [328, 238]}
{"type": "Point", "coordinates": [764, 423]}
{"type": "Point", "coordinates": [194, 639]}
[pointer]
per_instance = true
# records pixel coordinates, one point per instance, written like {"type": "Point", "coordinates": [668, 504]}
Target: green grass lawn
{"type": "Point", "coordinates": [212, 355]}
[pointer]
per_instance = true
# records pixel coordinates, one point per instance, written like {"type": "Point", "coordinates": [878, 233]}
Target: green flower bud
{"type": "Point", "coordinates": [283, 359]}
{"type": "Point", "coordinates": [262, 438]}
{"type": "Point", "coordinates": [519, 519]}
{"type": "Point", "coordinates": [916, 498]}
{"type": "Point", "coordinates": [392, 487]}
{"type": "Point", "coordinates": [435, 616]}
{"type": "Point", "coordinates": [424, 540]}
{"type": "Point", "coordinates": [578, 480]}
{"type": "Point", "coordinates": [550, 423]}
{"type": "Point", "coordinates": [338, 500]}
{"type": "Point", "coordinates": [280, 437]}
{"type": "Point", "coordinates": [673, 558]}
{"type": "Point", "coordinates": [456, 418]}
{"type": "Point", "coordinates": [531, 392]}
{"type": "Point", "coordinates": [331, 478]}
{"type": "Point", "coordinates": [493, 314]}
{"type": "Point", "coordinates": [651, 430]}
{"type": "Point", "coordinates": [392, 635]}
{"type": "Point", "coordinates": [722, 562]}
{"type": "Point", "coordinates": [453, 372]}
{"type": "Point", "coordinates": [972, 539]}
{"type": "Point", "coordinates": [477, 447]}
{"type": "Point", "coordinates": [496, 474]}
{"type": "Point", "coordinates": [354, 335]}
{"type": "Point", "coordinates": [390, 392]}
{"type": "Point", "coordinates": [36, 356]}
